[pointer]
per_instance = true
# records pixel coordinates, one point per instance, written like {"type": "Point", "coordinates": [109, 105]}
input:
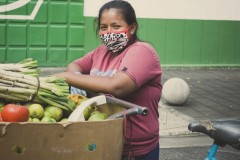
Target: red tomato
{"type": "Point", "coordinates": [15, 113]}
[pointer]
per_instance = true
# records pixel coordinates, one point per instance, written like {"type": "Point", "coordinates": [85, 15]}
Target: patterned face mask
{"type": "Point", "coordinates": [115, 41]}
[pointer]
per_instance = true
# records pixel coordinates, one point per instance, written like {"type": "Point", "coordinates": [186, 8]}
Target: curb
{"type": "Point", "coordinates": [172, 122]}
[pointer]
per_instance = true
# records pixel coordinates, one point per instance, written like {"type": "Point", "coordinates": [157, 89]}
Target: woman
{"type": "Point", "coordinates": [125, 68]}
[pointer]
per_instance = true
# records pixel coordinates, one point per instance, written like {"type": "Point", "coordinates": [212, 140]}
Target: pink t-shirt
{"type": "Point", "coordinates": [141, 63]}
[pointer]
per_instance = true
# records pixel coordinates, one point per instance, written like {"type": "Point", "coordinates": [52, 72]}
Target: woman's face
{"type": "Point", "coordinates": [112, 20]}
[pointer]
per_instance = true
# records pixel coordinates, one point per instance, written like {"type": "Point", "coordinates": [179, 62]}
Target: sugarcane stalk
{"type": "Point", "coordinates": [31, 81]}
{"type": "Point", "coordinates": [3, 84]}
{"type": "Point", "coordinates": [31, 72]}
{"type": "Point", "coordinates": [22, 70]}
{"type": "Point", "coordinates": [17, 90]}
{"type": "Point", "coordinates": [45, 90]}
{"type": "Point", "coordinates": [28, 80]}
{"type": "Point", "coordinates": [29, 63]}
{"type": "Point", "coordinates": [27, 66]}
{"type": "Point", "coordinates": [11, 98]}
{"type": "Point", "coordinates": [17, 75]}
{"type": "Point", "coordinates": [14, 83]}
{"type": "Point", "coordinates": [20, 80]}
{"type": "Point", "coordinates": [23, 96]}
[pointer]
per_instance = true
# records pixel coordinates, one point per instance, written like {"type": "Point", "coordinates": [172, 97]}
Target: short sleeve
{"type": "Point", "coordinates": [141, 63]}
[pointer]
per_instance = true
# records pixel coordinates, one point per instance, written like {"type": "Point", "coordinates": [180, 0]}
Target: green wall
{"type": "Point", "coordinates": [186, 42]}
{"type": "Point", "coordinates": [60, 33]}
{"type": "Point", "coordinates": [55, 37]}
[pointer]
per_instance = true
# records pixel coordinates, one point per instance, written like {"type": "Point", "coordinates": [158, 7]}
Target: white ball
{"type": "Point", "coordinates": [175, 91]}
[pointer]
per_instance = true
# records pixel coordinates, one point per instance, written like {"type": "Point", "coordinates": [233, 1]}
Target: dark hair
{"type": "Point", "coordinates": [128, 14]}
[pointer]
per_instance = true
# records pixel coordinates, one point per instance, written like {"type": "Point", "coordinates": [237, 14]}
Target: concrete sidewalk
{"type": "Point", "coordinates": [214, 94]}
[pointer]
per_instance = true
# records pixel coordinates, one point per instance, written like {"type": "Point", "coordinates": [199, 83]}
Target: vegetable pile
{"type": "Point", "coordinates": [26, 96]}
{"type": "Point", "coordinates": [18, 86]}
{"type": "Point", "coordinates": [27, 66]}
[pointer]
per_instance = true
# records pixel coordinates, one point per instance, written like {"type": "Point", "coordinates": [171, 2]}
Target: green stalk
{"type": "Point", "coordinates": [21, 80]}
{"type": "Point", "coordinates": [51, 102]}
{"type": "Point", "coordinates": [22, 88]}
{"type": "Point", "coordinates": [17, 90]}
{"type": "Point", "coordinates": [29, 63]}
{"type": "Point", "coordinates": [17, 75]}
{"type": "Point", "coordinates": [60, 100]}
{"type": "Point", "coordinates": [51, 96]}
{"type": "Point", "coordinates": [68, 105]}
{"type": "Point", "coordinates": [3, 84]}
{"type": "Point", "coordinates": [22, 96]}
{"type": "Point", "coordinates": [27, 66]}
{"type": "Point", "coordinates": [13, 84]}
{"type": "Point", "coordinates": [30, 80]}
{"type": "Point", "coordinates": [11, 98]}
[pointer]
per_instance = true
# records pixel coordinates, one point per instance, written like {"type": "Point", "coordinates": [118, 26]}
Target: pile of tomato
{"type": "Point", "coordinates": [14, 113]}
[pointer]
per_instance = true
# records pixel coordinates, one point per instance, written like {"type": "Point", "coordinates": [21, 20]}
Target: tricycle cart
{"type": "Point", "coordinates": [72, 140]}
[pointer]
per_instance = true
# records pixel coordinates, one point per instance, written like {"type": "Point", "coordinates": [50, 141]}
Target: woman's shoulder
{"type": "Point", "coordinates": [144, 46]}
{"type": "Point", "coordinates": [100, 48]}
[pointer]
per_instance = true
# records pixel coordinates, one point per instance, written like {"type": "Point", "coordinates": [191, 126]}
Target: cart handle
{"type": "Point", "coordinates": [77, 114]}
{"type": "Point", "coordinates": [132, 109]}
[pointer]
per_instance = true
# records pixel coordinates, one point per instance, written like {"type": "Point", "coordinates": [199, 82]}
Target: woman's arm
{"type": "Point", "coordinates": [120, 85]}
{"type": "Point", "coordinates": [73, 68]}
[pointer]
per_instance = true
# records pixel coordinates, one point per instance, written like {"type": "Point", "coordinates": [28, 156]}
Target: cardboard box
{"type": "Point", "coordinates": [101, 140]}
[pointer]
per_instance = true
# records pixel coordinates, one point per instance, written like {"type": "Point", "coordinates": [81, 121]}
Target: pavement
{"type": "Point", "coordinates": [214, 94]}
{"type": "Point", "coordinates": [198, 153]}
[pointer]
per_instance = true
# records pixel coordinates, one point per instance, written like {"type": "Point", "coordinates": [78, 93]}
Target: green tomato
{"type": "Point", "coordinates": [47, 120]}
{"type": "Point", "coordinates": [87, 112]}
{"type": "Point", "coordinates": [36, 111]}
{"type": "Point", "coordinates": [97, 116]}
{"type": "Point", "coordinates": [55, 112]}
{"type": "Point", "coordinates": [36, 120]}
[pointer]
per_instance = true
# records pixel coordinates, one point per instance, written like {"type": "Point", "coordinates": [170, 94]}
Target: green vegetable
{"type": "Point", "coordinates": [87, 112]}
{"type": "Point", "coordinates": [47, 119]}
{"type": "Point", "coordinates": [55, 112]}
{"type": "Point", "coordinates": [97, 116]}
{"type": "Point", "coordinates": [16, 86]}
{"type": "Point", "coordinates": [27, 66]}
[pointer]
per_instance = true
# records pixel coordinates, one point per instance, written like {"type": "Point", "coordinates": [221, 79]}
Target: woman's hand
{"type": "Point", "coordinates": [73, 90]}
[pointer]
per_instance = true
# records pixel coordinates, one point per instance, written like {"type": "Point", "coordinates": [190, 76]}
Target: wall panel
{"type": "Point", "coordinates": [185, 42]}
{"type": "Point", "coordinates": [51, 37]}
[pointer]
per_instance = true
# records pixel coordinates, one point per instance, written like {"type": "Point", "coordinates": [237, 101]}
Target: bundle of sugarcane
{"type": "Point", "coordinates": [18, 87]}
{"type": "Point", "coordinates": [27, 66]}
